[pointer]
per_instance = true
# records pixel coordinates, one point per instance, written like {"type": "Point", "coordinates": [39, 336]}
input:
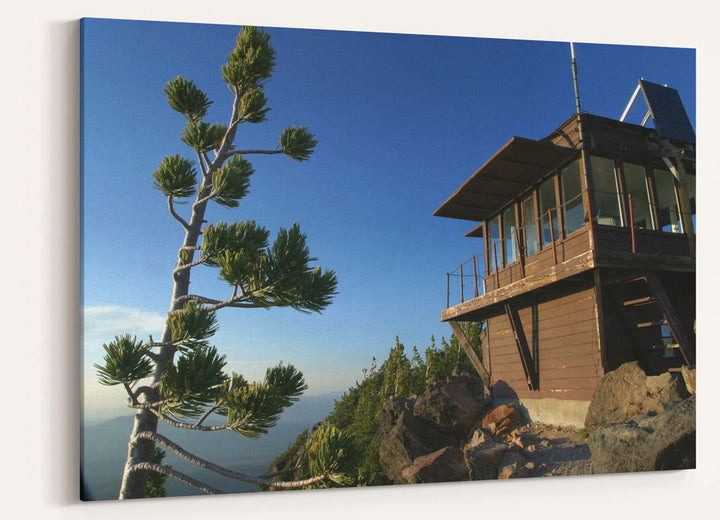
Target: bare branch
{"type": "Point", "coordinates": [212, 194]}
{"type": "Point", "coordinates": [150, 406]}
{"type": "Point", "coordinates": [187, 426]}
{"type": "Point", "coordinates": [160, 439]}
{"type": "Point", "coordinates": [130, 392]}
{"type": "Point", "coordinates": [182, 477]}
{"type": "Point", "coordinates": [254, 152]}
{"type": "Point", "coordinates": [184, 267]}
{"type": "Point", "coordinates": [177, 217]}
{"type": "Point", "coordinates": [206, 415]}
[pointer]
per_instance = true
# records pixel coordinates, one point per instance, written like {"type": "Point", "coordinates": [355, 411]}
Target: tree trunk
{"type": "Point", "coordinates": [141, 450]}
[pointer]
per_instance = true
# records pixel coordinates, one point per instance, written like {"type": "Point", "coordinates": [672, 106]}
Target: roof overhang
{"type": "Point", "coordinates": [513, 169]}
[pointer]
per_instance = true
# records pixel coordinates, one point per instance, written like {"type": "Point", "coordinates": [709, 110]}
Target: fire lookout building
{"type": "Point", "coordinates": [588, 257]}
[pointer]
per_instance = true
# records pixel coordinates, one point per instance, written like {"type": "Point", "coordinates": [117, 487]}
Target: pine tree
{"type": "Point", "coordinates": [187, 381]}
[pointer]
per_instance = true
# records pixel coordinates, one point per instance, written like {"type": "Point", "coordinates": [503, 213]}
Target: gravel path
{"type": "Point", "coordinates": [555, 450]}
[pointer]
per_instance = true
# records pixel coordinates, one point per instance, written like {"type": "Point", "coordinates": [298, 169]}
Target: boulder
{"type": "Point", "coordinates": [502, 420]}
{"type": "Point", "coordinates": [514, 464]}
{"type": "Point", "coordinates": [483, 455]}
{"type": "Point", "coordinates": [453, 404]}
{"type": "Point", "coordinates": [444, 465]}
{"type": "Point", "coordinates": [689, 378]}
{"type": "Point", "coordinates": [628, 392]}
{"type": "Point", "coordinates": [405, 437]}
{"type": "Point", "coordinates": [649, 442]}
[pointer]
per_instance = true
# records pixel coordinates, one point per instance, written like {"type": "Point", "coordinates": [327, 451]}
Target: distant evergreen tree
{"type": "Point", "coordinates": [355, 412]}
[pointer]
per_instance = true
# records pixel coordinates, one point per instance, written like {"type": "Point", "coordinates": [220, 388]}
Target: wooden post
{"type": "Point", "coordinates": [462, 285]}
{"type": "Point", "coordinates": [447, 305]}
{"type": "Point", "coordinates": [475, 278]}
{"type": "Point", "coordinates": [632, 223]}
{"type": "Point", "coordinates": [497, 268]}
{"type": "Point", "coordinates": [474, 359]}
{"type": "Point", "coordinates": [552, 235]}
{"type": "Point", "coordinates": [521, 341]}
{"type": "Point", "coordinates": [520, 256]}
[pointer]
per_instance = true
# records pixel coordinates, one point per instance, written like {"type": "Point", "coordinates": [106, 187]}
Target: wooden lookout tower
{"type": "Point", "coordinates": [588, 256]}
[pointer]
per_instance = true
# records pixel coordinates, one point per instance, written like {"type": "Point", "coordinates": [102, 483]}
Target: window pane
{"type": "Point", "coordinates": [606, 191]}
{"type": "Point", "coordinates": [667, 210]}
{"type": "Point", "coordinates": [548, 202]}
{"type": "Point", "coordinates": [509, 230]}
{"type": "Point", "coordinates": [530, 223]}
{"type": "Point", "coordinates": [572, 198]}
{"type": "Point", "coordinates": [494, 238]}
{"type": "Point", "coordinates": [636, 185]}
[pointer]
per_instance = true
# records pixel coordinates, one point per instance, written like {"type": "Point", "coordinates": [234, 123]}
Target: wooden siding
{"type": "Point", "coordinates": [613, 238]}
{"type": "Point", "coordinates": [562, 335]}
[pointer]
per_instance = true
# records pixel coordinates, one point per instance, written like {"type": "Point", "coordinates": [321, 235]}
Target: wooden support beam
{"type": "Point", "coordinates": [474, 359]}
{"type": "Point", "coordinates": [522, 345]}
{"type": "Point", "coordinates": [685, 340]}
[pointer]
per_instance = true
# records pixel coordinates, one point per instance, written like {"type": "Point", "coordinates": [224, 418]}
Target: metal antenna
{"type": "Point", "coordinates": [575, 78]}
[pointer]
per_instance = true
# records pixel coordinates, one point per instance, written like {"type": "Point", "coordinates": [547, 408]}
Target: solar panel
{"type": "Point", "coordinates": [668, 112]}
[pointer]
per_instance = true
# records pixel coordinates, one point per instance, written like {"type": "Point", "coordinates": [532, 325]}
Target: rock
{"type": "Point", "coordinates": [444, 465]}
{"type": "Point", "coordinates": [502, 420]}
{"type": "Point", "coordinates": [514, 464]}
{"type": "Point", "coordinates": [405, 437]}
{"type": "Point", "coordinates": [628, 392]}
{"type": "Point", "coordinates": [647, 443]}
{"type": "Point", "coordinates": [483, 456]}
{"type": "Point", "coordinates": [689, 378]}
{"type": "Point", "coordinates": [452, 404]}
{"type": "Point", "coordinates": [391, 411]}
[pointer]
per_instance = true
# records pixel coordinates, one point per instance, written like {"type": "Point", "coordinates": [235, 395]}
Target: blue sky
{"type": "Point", "coordinates": [401, 121]}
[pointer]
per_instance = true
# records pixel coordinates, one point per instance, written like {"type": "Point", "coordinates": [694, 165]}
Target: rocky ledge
{"type": "Point", "coordinates": [452, 432]}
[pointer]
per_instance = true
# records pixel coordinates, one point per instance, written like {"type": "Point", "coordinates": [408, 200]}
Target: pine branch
{"type": "Point", "coordinates": [182, 477]}
{"type": "Point", "coordinates": [160, 439]}
{"type": "Point", "coordinates": [177, 217]}
{"type": "Point", "coordinates": [130, 393]}
{"type": "Point", "coordinates": [255, 152]}
{"type": "Point", "coordinates": [206, 415]}
{"type": "Point", "coordinates": [205, 199]}
{"type": "Point", "coordinates": [238, 301]}
{"type": "Point", "coordinates": [187, 426]}
{"type": "Point", "coordinates": [184, 267]}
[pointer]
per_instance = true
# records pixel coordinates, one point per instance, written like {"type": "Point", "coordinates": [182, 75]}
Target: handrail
{"type": "Point", "coordinates": [459, 272]}
{"type": "Point", "coordinates": [521, 244]}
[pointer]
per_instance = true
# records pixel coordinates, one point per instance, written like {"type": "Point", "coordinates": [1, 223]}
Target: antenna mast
{"type": "Point", "coordinates": [575, 79]}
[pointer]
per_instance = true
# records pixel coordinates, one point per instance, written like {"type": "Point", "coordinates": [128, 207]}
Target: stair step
{"type": "Point", "coordinates": [650, 324]}
{"type": "Point", "coordinates": [646, 299]}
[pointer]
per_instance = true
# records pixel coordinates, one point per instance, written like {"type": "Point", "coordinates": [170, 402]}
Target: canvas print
{"type": "Point", "coordinates": [319, 259]}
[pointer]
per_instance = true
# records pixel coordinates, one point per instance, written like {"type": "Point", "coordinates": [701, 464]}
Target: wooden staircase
{"type": "Point", "coordinates": [662, 339]}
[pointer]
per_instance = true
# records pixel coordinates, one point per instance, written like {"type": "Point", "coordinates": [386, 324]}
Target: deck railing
{"type": "Point", "coordinates": [465, 274]}
{"type": "Point", "coordinates": [467, 278]}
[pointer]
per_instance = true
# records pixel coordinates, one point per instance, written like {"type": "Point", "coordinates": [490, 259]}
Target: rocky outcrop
{"type": "Point", "coordinates": [648, 442]}
{"type": "Point", "coordinates": [483, 455]}
{"type": "Point", "coordinates": [515, 464]}
{"type": "Point", "coordinates": [438, 437]}
{"type": "Point", "coordinates": [628, 392]}
{"type": "Point", "coordinates": [451, 404]}
{"type": "Point", "coordinates": [405, 437]}
{"type": "Point", "coordinates": [444, 465]}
